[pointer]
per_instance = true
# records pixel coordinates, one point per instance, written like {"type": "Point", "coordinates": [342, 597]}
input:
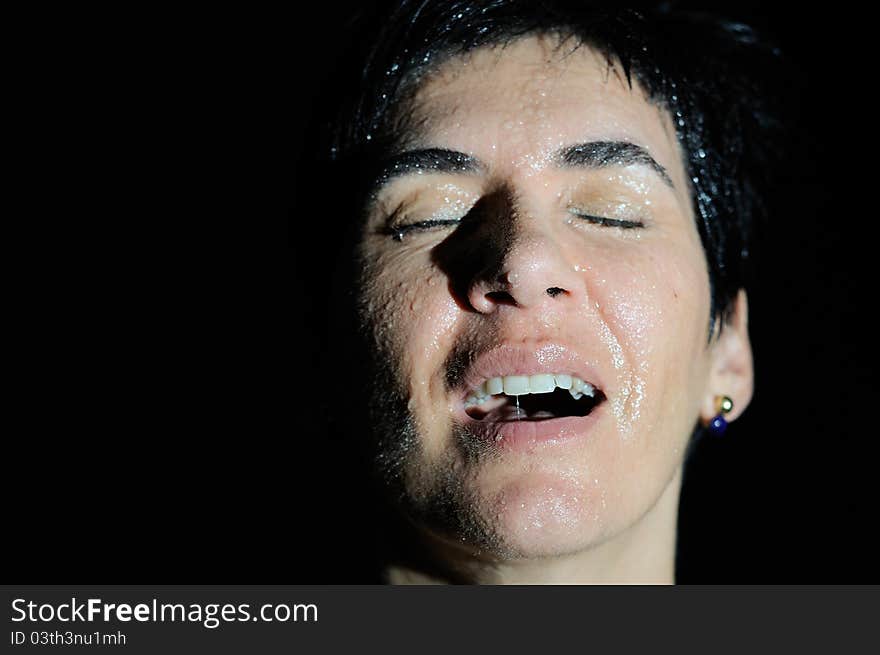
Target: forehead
{"type": "Point", "coordinates": [513, 105]}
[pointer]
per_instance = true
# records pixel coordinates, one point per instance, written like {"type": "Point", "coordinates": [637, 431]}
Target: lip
{"type": "Point", "coordinates": [509, 359]}
{"type": "Point", "coordinates": [527, 435]}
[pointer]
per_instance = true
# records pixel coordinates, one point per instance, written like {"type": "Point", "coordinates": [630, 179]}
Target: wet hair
{"type": "Point", "coordinates": [715, 78]}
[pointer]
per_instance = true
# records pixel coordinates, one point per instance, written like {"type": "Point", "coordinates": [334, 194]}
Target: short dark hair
{"type": "Point", "coordinates": [711, 74]}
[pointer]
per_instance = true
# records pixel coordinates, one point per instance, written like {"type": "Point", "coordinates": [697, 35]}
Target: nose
{"type": "Point", "coordinates": [531, 271]}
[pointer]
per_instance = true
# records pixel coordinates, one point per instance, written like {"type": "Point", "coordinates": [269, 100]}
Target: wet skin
{"type": "Point", "coordinates": [629, 295]}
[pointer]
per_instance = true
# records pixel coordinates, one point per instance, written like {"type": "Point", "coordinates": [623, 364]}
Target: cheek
{"type": "Point", "coordinates": [657, 302]}
{"type": "Point", "coordinates": [411, 314]}
{"type": "Point", "coordinates": [654, 305]}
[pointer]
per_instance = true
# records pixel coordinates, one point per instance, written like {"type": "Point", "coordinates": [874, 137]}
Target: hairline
{"type": "Point", "coordinates": [420, 75]}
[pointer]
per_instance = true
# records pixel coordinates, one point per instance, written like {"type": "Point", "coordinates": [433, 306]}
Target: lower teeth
{"type": "Point", "coordinates": [512, 413]}
{"type": "Point", "coordinates": [539, 408]}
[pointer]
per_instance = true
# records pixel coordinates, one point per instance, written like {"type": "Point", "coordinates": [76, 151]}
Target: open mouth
{"type": "Point", "coordinates": [532, 398]}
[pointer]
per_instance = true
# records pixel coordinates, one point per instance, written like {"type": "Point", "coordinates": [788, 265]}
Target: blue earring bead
{"type": "Point", "coordinates": [718, 425]}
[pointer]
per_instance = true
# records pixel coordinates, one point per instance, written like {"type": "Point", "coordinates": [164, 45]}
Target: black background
{"type": "Point", "coordinates": [222, 471]}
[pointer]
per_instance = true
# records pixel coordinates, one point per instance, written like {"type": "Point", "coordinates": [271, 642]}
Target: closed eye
{"type": "Point", "coordinates": [608, 222]}
{"type": "Point", "coordinates": [397, 232]}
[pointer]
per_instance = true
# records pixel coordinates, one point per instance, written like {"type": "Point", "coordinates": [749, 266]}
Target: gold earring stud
{"type": "Point", "coordinates": [723, 404]}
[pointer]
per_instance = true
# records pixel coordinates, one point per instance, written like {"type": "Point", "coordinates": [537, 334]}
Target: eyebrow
{"type": "Point", "coordinates": [598, 154]}
{"type": "Point", "coordinates": [593, 154]}
{"type": "Point", "coordinates": [435, 160]}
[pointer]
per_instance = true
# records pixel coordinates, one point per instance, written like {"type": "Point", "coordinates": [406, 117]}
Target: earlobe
{"type": "Point", "coordinates": [732, 372]}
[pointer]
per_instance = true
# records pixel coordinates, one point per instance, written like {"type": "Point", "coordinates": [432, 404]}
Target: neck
{"type": "Point", "coordinates": [644, 553]}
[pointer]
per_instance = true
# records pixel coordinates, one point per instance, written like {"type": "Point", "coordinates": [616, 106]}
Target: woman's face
{"type": "Point", "coordinates": [560, 245]}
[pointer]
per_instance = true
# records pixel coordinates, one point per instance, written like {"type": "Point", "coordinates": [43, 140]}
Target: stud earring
{"type": "Point", "coordinates": [723, 405]}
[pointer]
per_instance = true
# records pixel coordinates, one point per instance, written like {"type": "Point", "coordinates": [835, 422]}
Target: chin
{"type": "Point", "coordinates": [547, 516]}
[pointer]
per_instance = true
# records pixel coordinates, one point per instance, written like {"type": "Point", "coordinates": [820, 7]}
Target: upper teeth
{"type": "Point", "coordinates": [518, 385]}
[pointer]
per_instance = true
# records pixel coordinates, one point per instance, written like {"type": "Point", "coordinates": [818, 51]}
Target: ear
{"type": "Point", "coordinates": [731, 372]}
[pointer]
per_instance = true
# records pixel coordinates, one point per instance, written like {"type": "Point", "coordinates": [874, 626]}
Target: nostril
{"type": "Point", "coordinates": [555, 291]}
{"type": "Point", "coordinates": [501, 298]}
